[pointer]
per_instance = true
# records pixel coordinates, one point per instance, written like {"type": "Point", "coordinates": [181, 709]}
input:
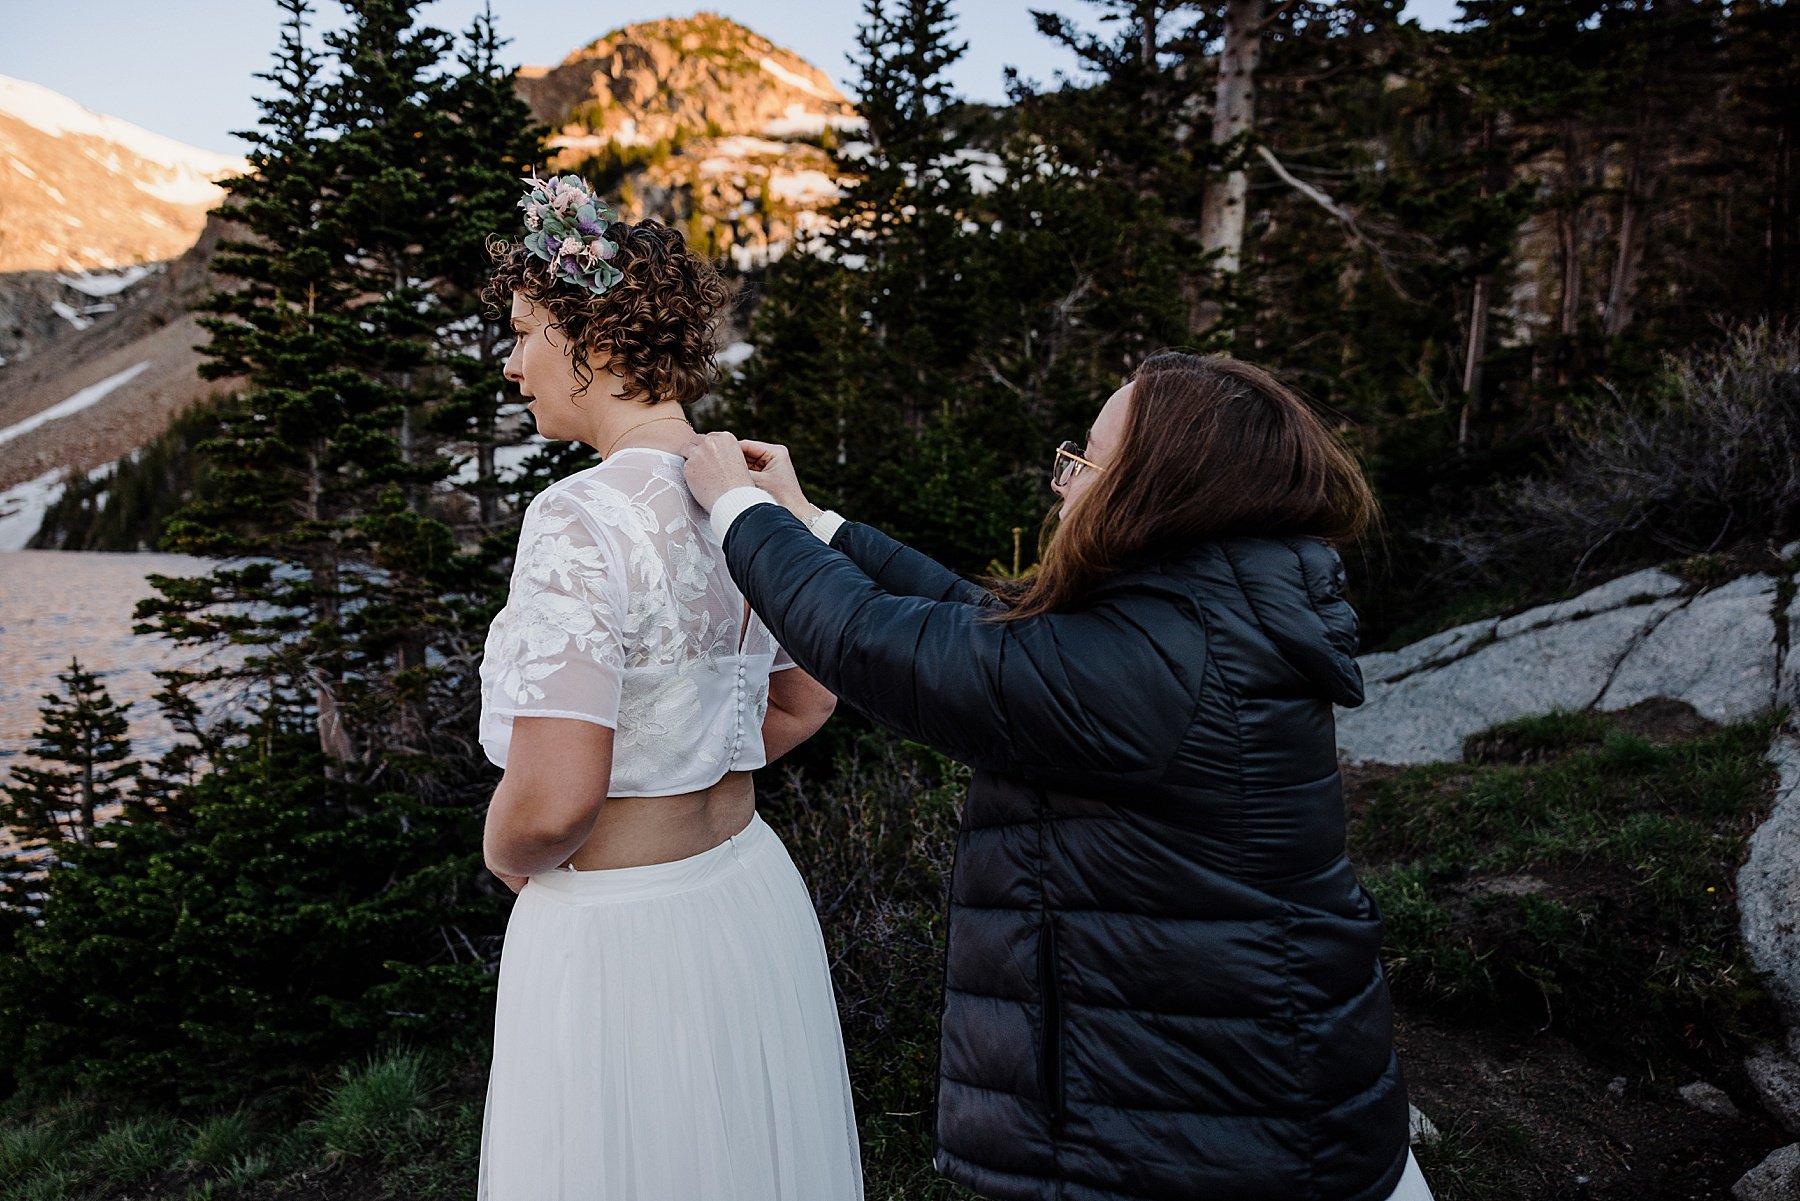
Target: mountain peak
{"type": "Point", "coordinates": [680, 78]}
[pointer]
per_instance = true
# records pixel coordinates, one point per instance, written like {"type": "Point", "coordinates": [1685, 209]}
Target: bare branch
{"type": "Point", "coordinates": [1305, 189]}
{"type": "Point", "coordinates": [1273, 15]}
{"type": "Point", "coordinates": [1343, 216]}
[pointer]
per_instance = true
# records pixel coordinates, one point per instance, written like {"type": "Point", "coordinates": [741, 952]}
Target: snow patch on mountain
{"type": "Point", "coordinates": [67, 408]}
{"type": "Point", "coordinates": [82, 189]}
{"type": "Point", "coordinates": [796, 80]}
{"type": "Point", "coordinates": [22, 508]}
{"type": "Point", "coordinates": [803, 187]}
{"type": "Point", "coordinates": [70, 314]}
{"type": "Point", "coordinates": [801, 122]}
{"type": "Point", "coordinates": [104, 283]}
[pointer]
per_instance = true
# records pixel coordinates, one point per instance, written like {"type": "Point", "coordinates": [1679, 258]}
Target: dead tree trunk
{"type": "Point", "coordinates": [1571, 236]}
{"type": "Point", "coordinates": [1234, 114]}
{"type": "Point", "coordinates": [1641, 181]}
{"type": "Point", "coordinates": [1480, 304]}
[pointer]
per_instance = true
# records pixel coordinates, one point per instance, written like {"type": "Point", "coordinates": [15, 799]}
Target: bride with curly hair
{"type": "Point", "coordinates": [665, 1028]}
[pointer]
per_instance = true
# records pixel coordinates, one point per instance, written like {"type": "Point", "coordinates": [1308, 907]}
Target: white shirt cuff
{"type": "Point", "coordinates": [733, 505]}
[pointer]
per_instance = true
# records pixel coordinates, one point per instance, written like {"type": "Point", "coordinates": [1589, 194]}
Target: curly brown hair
{"type": "Point", "coordinates": [653, 328]}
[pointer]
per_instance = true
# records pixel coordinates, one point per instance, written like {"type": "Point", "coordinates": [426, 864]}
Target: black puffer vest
{"type": "Point", "coordinates": [1162, 979]}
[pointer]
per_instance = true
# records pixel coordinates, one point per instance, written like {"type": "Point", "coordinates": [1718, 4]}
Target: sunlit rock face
{"type": "Point", "coordinates": [81, 191]}
{"type": "Point", "coordinates": [699, 122]}
{"type": "Point", "coordinates": [698, 77]}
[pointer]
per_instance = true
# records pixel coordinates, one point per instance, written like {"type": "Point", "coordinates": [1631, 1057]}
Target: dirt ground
{"type": "Point", "coordinates": [1532, 1117]}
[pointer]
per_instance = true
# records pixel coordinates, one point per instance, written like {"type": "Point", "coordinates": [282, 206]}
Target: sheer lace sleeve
{"type": "Point", "coordinates": [555, 649]}
{"type": "Point", "coordinates": [783, 660]}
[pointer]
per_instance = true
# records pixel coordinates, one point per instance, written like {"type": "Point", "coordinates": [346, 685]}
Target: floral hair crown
{"type": "Point", "coordinates": [568, 231]}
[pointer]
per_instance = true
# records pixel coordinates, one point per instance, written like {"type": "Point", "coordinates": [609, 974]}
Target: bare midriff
{"type": "Point", "coordinates": [633, 831]}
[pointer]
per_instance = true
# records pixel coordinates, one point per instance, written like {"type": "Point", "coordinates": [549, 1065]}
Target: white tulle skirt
{"type": "Point", "coordinates": [668, 1033]}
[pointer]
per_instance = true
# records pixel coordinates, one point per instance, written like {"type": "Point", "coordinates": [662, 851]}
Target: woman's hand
{"type": "Point", "coordinates": [773, 471]}
{"type": "Point", "coordinates": [715, 465]}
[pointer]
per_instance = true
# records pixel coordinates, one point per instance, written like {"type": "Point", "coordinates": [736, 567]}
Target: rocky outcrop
{"type": "Point", "coordinates": [1776, 1178]}
{"type": "Point", "coordinates": [1643, 635]}
{"type": "Point", "coordinates": [698, 77]}
{"type": "Point", "coordinates": [699, 122]}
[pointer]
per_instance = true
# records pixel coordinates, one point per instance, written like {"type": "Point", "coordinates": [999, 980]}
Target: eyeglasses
{"type": "Point", "coordinates": [1069, 463]}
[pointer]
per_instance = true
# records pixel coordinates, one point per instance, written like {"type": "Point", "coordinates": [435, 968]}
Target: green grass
{"type": "Point", "coordinates": [50, 1184]}
{"type": "Point", "coordinates": [1541, 737]}
{"type": "Point", "coordinates": [405, 1124]}
{"type": "Point", "coordinates": [1572, 871]}
{"type": "Point", "coordinates": [134, 1150]}
{"type": "Point", "coordinates": [449, 1154]}
{"type": "Point", "coordinates": [30, 1150]}
{"type": "Point", "coordinates": [219, 1141]}
{"type": "Point", "coordinates": [378, 1107]}
{"type": "Point", "coordinates": [1705, 570]}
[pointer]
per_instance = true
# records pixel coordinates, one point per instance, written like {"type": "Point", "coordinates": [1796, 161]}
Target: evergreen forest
{"type": "Point", "coordinates": [1540, 270]}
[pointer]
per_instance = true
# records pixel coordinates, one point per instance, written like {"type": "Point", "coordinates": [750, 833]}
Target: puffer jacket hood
{"type": "Point", "coordinates": [1302, 611]}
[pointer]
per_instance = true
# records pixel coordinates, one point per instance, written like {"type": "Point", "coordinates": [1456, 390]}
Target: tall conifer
{"type": "Point", "coordinates": [491, 144]}
{"type": "Point", "coordinates": [375, 184]}
{"type": "Point", "coordinates": [863, 359]}
{"type": "Point", "coordinates": [84, 745]}
{"type": "Point", "coordinates": [316, 882]}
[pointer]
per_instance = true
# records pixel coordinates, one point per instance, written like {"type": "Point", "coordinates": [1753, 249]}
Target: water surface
{"type": "Point", "coordinates": [58, 604]}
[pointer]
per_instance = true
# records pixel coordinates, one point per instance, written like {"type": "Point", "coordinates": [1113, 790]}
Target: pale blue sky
{"type": "Point", "coordinates": [183, 68]}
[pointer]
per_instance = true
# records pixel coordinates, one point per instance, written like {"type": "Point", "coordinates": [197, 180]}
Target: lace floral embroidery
{"type": "Point", "coordinates": [559, 601]}
{"type": "Point", "coordinates": [622, 612]}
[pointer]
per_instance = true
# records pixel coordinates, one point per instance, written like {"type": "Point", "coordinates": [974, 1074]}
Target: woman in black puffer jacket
{"type": "Point", "coordinates": [1162, 979]}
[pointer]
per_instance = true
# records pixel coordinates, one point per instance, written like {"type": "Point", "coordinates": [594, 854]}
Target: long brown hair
{"type": "Point", "coordinates": [1213, 448]}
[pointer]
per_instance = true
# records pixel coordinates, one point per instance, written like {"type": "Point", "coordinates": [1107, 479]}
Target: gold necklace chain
{"type": "Point", "coordinates": [638, 426]}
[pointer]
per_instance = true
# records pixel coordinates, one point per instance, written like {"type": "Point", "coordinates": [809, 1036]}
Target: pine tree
{"type": "Point", "coordinates": [1761, 112]}
{"type": "Point", "coordinates": [52, 811]}
{"type": "Point", "coordinates": [378, 174]}
{"type": "Point", "coordinates": [866, 342]}
{"type": "Point", "coordinates": [493, 142]}
{"type": "Point", "coordinates": [313, 882]}
{"type": "Point", "coordinates": [292, 920]}
{"type": "Point", "coordinates": [1544, 64]}
{"type": "Point", "coordinates": [85, 742]}
{"type": "Point", "coordinates": [273, 488]}
{"type": "Point", "coordinates": [1141, 130]}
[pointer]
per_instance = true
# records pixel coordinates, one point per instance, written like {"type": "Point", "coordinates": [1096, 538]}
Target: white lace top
{"type": "Point", "coordinates": [621, 612]}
